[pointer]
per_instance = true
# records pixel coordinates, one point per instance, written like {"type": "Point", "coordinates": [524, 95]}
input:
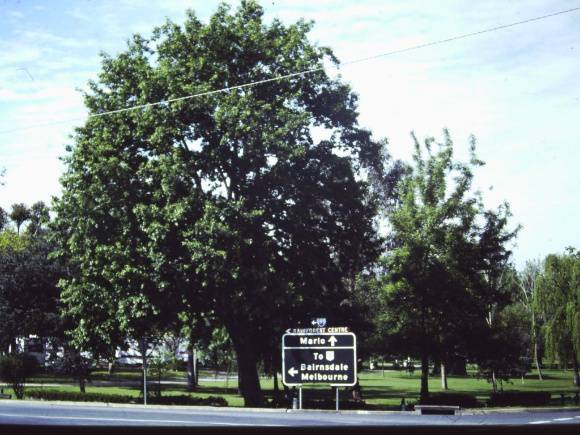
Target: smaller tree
{"type": "Point", "coordinates": [160, 364]}
{"type": "Point", "coordinates": [74, 364]}
{"type": "Point", "coordinates": [39, 218]}
{"type": "Point", "coordinates": [15, 369]}
{"type": "Point", "coordinates": [503, 353]}
{"type": "Point", "coordinates": [20, 213]}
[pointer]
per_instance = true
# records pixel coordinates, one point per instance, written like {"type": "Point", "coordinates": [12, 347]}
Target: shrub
{"type": "Point", "coordinates": [520, 398]}
{"type": "Point", "coordinates": [15, 368]}
{"type": "Point", "coordinates": [451, 399]}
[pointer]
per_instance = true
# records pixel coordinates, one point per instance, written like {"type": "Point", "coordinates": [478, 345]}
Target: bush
{"type": "Point", "coordinates": [117, 398]}
{"type": "Point", "coordinates": [15, 368]}
{"type": "Point", "coordinates": [520, 398]}
{"type": "Point", "coordinates": [452, 399]}
{"type": "Point", "coordinates": [189, 400]}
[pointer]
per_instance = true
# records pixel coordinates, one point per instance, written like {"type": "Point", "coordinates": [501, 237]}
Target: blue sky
{"type": "Point", "coordinates": [517, 90]}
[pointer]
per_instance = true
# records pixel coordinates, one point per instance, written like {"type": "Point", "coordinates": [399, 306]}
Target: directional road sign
{"type": "Point", "coordinates": [319, 358]}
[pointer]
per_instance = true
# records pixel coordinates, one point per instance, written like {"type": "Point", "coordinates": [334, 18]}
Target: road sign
{"type": "Point", "coordinates": [319, 358]}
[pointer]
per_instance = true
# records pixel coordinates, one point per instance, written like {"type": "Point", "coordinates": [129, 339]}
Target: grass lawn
{"type": "Point", "coordinates": [381, 389]}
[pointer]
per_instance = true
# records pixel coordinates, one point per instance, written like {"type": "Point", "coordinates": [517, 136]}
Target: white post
{"type": "Point", "coordinates": [336, 399]}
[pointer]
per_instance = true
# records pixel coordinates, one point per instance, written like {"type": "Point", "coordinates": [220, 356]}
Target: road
{"type": "Point", "coordinates": [51, 414]}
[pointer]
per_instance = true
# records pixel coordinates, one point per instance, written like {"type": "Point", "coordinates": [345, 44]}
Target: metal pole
{"type": "Point", "coordinates": [144, 382]}
{"type": "Point", "coordinates": [300, 397]}
{"type": "Point", "coordinates": [336, 399]}
{"type": "Point", "coordinates": [143, 345]}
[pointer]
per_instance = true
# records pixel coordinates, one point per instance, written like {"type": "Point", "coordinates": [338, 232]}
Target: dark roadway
{"type": "Point", "coordinates": [51, 414]}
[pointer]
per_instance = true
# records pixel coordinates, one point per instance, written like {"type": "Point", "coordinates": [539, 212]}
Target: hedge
{"type": "Point", "coordinates": [117, 398]}
{"type": "Point", "coordinates": [519, 398]}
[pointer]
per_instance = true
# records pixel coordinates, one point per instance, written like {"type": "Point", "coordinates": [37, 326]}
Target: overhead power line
{"type": "Point", "coordinates": [301, 73]}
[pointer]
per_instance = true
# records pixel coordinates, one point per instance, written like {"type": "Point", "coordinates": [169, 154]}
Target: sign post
{"type": "Point", "coordinates": [319, 356]}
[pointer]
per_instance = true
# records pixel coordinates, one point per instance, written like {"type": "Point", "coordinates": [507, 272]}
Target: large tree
{"type": "Point", "coordinates": [226, 202]}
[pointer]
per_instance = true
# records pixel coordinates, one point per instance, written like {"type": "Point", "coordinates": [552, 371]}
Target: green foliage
{"type": "Point", "coordinates": [15, 369]}
{"type": "Point", "coordinates": [11, 241]}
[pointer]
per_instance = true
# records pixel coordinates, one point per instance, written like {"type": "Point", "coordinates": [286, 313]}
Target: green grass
{"type": "Point", "coordinates": [396, 385]}
{"type": "Point", "coordinates": [381, 389]}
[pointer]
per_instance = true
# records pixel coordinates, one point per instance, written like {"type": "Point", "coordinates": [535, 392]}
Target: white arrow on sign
{"type": "Point", "coordinates": [292, 372]}
{"type": "Point", "coordinates": [332, 340]}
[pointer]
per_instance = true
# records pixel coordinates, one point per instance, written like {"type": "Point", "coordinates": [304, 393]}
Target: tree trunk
{"type": "Point", "coordinates": [576, 375]}
{"type": "Point", "coordinates": [191, 368]}
{"type": "Point", "coordinates": [443, 377]}
{"type": "Point", "coordinates": [537, 361]}
{"type": "Point", "coordinates": [494, 381]}
{"type": "Point", "coordinates": [13, 346]}
{"type": "Point", "coordinates": [248, 379]}
{"type": "Point", "coordinates": [82, 383]}
{"type": "Point", "coordinates": [536, 347]}
{"type": "Point", "coordinates": [424, 394]}
{"type": "Point", "coordinates": [276, 387]}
